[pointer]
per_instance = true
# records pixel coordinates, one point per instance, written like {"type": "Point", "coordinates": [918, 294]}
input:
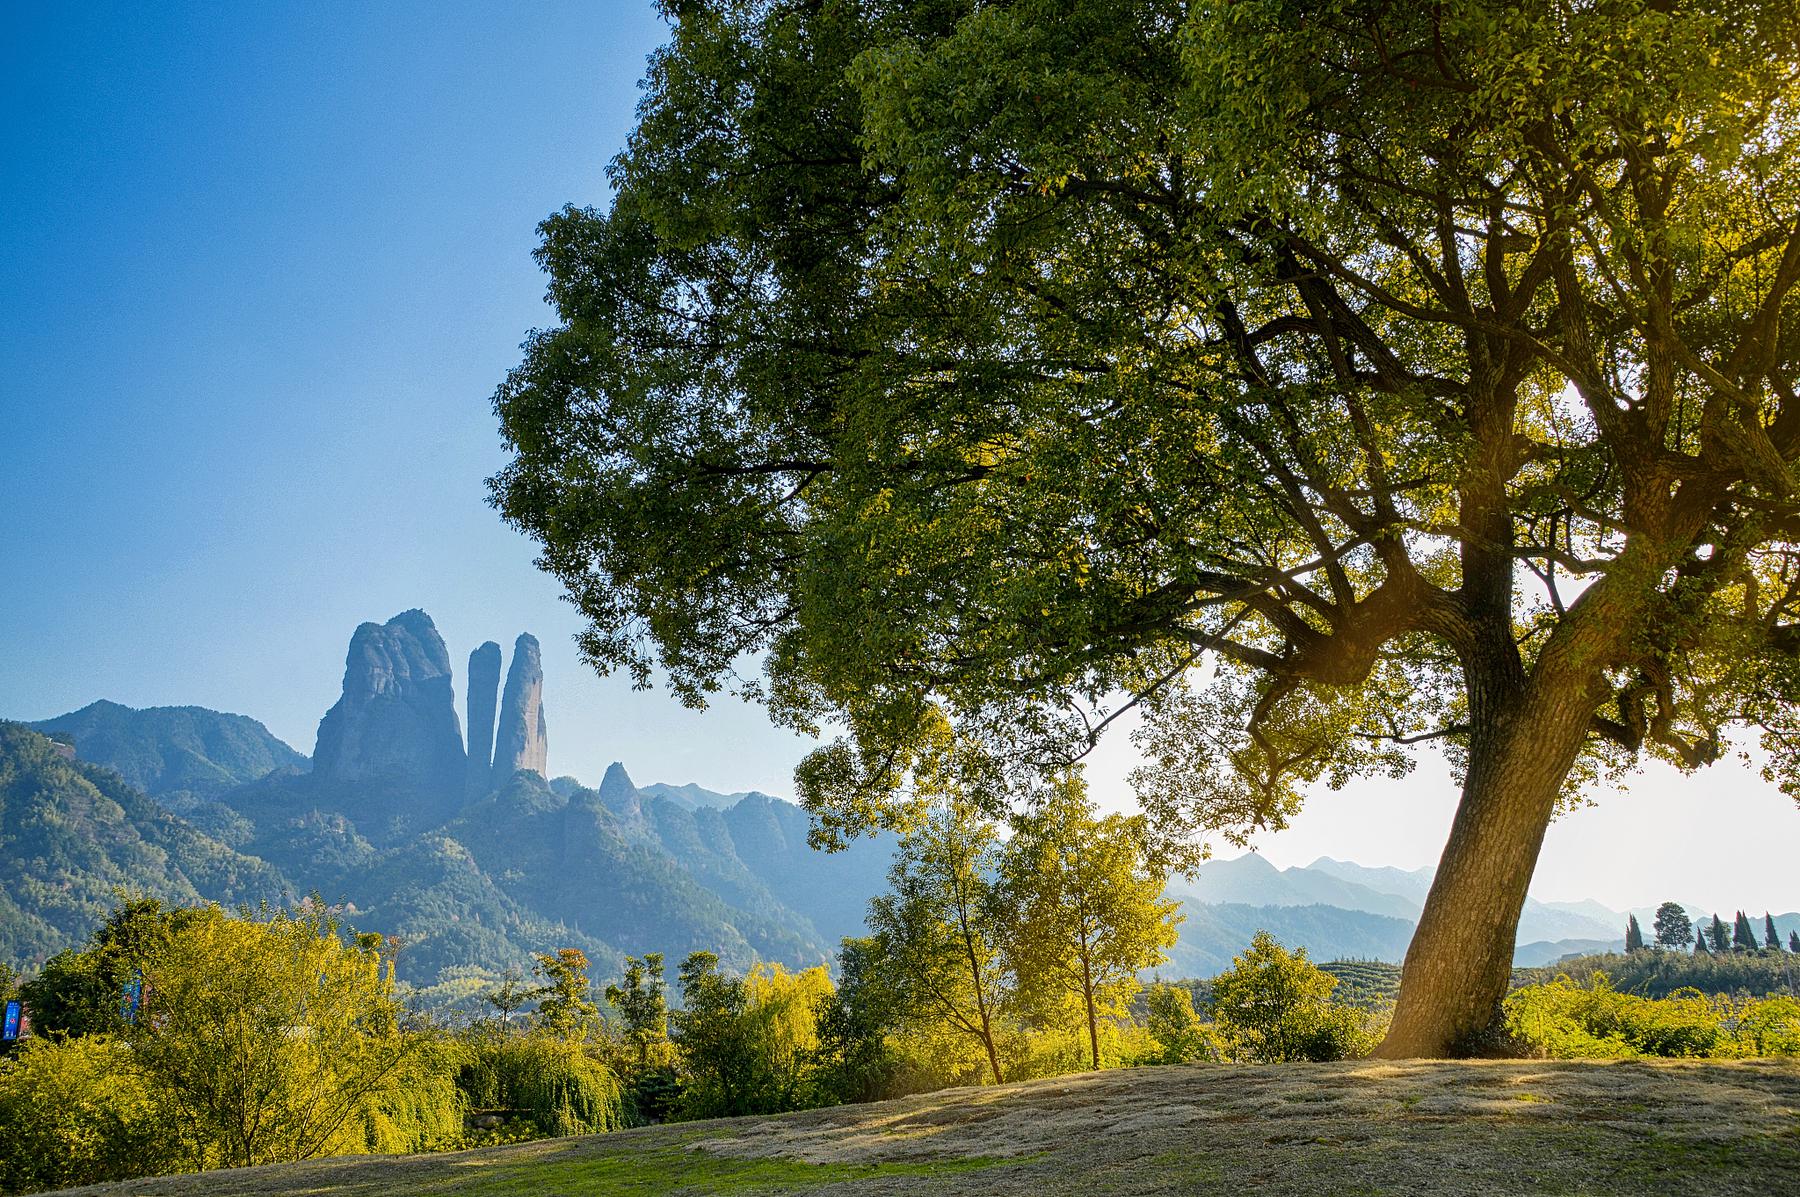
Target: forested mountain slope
{"type": "Point", "coordinates": [177, 755]}
{"type": "Point", "coordinates": [72, 834]}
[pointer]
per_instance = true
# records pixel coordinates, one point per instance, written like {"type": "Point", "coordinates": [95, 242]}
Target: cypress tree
{"type": "Point", "coordinates": [1719, 939]}
{"type": "Point", "coordinates": [1743, 939]}
{"type": "Point", "coordinates": [1700, 942]}
{"type": "Point", "coordinates": [1634, 935]}
{"type": "Point", "coordinates": [1771, 937]}
{"type": "Point", "coordinates": [1794, 941]}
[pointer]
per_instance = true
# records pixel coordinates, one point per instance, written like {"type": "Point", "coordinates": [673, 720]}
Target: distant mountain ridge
{"type": "Point", "coordinates": [1397, 893]}
{"type": "Point", "coordinates": [474, 860]}
{"type": "Point", "coordinates": [178, 755]}
{"type": "Point", "coordinates": [694, 797]}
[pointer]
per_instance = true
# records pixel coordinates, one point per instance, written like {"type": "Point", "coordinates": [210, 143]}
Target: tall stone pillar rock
{"type": "Point", "coordinates": [396, 719]}
{"type": "Point", "coordinates": [522, 740]}
{"type": "Point", "coordinates": [484, 693]}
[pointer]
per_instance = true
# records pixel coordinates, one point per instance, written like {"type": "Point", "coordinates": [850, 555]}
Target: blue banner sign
{"type": "Point", "coordinates": [131, 998]}
{"type": "Point", "coordinates": [14, 1012]}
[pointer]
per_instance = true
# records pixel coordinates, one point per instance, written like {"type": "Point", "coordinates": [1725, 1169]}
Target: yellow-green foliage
{"type": "Point", "coordinates": [555, 1084]}
{"type": "Point", "coordinates": [421, 1108]}
{"type": "Point", "coordinates": [272, 1038]}
{"type": "Point", "coordinates": [1180, 1036]}
{"type": "Point", "coordinates": [1568, 1020]}
{"type": "Point", "coordinates": [782, 1013]}
{"type": "Point", "coordinates": [1059, 1049]}
{"type": "Point", "coordinates": [75, 1112]}
{"type": "Point", "coordinates": [1276, 1005]}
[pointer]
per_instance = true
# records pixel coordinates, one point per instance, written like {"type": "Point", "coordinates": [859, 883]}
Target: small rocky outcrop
{"type": "Point", "coordinates": [396, 718]}
{"type": "Point", "coordinates": [619, 795]}
{"type": "Point", "coordinates": [522, 739]}
{"type": "Point", "coordinates": [484, 694]}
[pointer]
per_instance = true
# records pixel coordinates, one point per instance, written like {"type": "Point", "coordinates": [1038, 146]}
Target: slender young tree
{"type": "Point", "coordinates": [510, 997]}
{"type": "Point", "coordinates": [1719, 935]}
{"type": "Point", "coordinates": [642, 1007]}
{"type": "Point", "coordinates": [1634, 935]}
{"type": "Point", "coordinates": [1085, 907]}
{"type": "Point", "coordinates": [565, 1002]}
{"type": "Point", "coordinates": [1700, 943]}
{"type": "Point", "coordinates": [938, 928]}
{"type": "Point", "coordinates": [1322, 386]}
{"type": "Point", "coordinates": [1794, 941]}
{"type": "Point", "coordinates": [1771, 937]}
{"type": "Point", "coordinates": [1672, 926]}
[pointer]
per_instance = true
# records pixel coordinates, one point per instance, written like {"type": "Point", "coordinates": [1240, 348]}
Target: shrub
{"type": "Point", "coordinates": [554, 1084]}
{"type": "Point", "coordinates": [77, 1112]}
{"type": "Point", "coordinates": [1275, 1005]}
{"type": "Point", "coordinates": [1566, 1019]}
{"type": "Point", "coordinates": [1179, 1034]}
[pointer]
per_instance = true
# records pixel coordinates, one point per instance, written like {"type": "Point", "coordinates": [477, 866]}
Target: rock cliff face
{"type": "Point", "coordinates": [484, 693]}
{"type": "Point", "coordinates": [396, 719]}
{"type": "Point", "coordinates": [522, 740]}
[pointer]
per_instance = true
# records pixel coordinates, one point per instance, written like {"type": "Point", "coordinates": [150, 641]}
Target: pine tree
{"type": "Point", "coordinates": [1700, 943]}
{"type": "Point", "coordinates": [1718, 938]}
{"type": "Point", "coordinates": [1771, 937]}
{"type": "Point", "coordinates": [1794, 941]}
{"type": "Point", "coordinates": [1743, 939]}
{"type": "Point", "coordinates": [1672, 926]}
{"type": "Point", "coordinates": [1634, 935]}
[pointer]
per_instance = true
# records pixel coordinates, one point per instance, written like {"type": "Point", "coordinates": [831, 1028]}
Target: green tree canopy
{"type": "Point", "coordinates": [1274, 1005]}
{"type": "Point", "coordinates": [1084, 907]}
{"type": "Point", "coordinates": [1672, 926]}
{"type": "Point", "coordinates": [565, 1003]}
{"type": "Point", "coordinates": [1321, 378]}
{"type": "Point", "coordinates": [639, 1000]}
{"type": "Point", "coordinates": [1743, 937]}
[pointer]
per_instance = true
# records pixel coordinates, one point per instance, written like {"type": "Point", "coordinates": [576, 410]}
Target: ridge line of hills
{"type": "Point", "coordinates": [475, 861]}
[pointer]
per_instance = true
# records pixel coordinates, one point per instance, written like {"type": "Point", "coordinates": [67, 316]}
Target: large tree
{"type": "Point", "coordinates": [1672, 926]}
{"type": "Point", "coordinates": [1319, 378]}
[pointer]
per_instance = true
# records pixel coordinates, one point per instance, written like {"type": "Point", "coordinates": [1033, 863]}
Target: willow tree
{"type": "Point", "coordinates": [1318, 378]}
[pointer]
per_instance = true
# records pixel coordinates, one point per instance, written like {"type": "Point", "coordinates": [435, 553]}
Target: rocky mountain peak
{"type": "Point", "coordinates": [396, 717]}
{"type": "Point", "coordinates": [618, 793]}
{"type": "Point", "coordinates": [484, 695]}
{"type": "Point", "coordinates": [522, 739]}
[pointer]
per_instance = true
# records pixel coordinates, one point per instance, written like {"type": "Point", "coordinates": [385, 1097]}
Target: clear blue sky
{"type": "Point", "coordinates": [261, 268]}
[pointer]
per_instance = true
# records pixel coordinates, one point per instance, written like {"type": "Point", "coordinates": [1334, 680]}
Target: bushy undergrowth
{"type": "Point", "coordinates": [556, 1086]}
{"type": "Point", "coordinates": [1658, 974]}
{"type": "Point", "coordinates": [1569, 1019]}
{"type": "Point", "coordinates": [76, 1112]}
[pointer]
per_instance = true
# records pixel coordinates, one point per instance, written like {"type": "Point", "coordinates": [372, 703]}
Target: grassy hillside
{"type": "Point", "coordinates": [1672, 1128]}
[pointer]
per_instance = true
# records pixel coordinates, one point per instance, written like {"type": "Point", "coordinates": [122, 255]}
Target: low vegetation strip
{"type": "Point", "coordinates": [1486, 1127]}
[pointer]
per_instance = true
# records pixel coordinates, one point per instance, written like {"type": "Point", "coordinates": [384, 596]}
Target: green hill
{"type": "Point", "coordinates": [178, 755]}
{"type": "Point", "coordinates": [72, 834]}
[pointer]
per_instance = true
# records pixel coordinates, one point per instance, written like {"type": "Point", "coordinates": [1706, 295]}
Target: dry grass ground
{"type": "Point", "coordinates": [1666, 1128]}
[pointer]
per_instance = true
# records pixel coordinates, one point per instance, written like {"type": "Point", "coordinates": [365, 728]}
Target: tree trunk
{"type": "Point", "coordinates": [1087, 997]}
{"type": "Point", "coordinates": [987, 1038]}
{"type": "Point", "coordinates": [1459, 964]}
